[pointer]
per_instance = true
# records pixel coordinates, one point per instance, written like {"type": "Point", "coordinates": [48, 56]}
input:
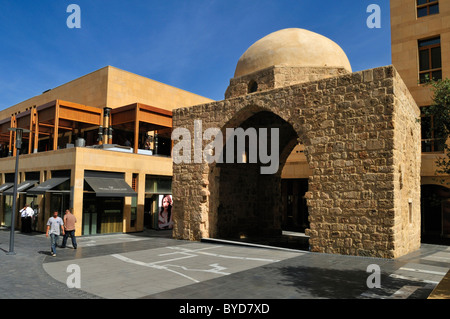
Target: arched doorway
{"type": "Point", "coordinates": [249, 202]}
{"type": "Point", "coordinates": [435, 203]}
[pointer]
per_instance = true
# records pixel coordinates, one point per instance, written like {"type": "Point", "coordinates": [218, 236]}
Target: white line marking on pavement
{"type": "Point", "coordinates": [372, 295]}
{"type": "Point", "coordinates": [216, 269]}
{"type": "Point", "coordinates": [200, 251]}
{"type": "Point", "coordinates": [187, 250]}
{"type": "Point", "coordinates": [190, 253]}
{"type": "Point", "coordinates": [413, 279]}
{"type": "Point", "coordinates": [241, 258]}
{"type": "Point", "coordinates": [437, 258]}
{"type": "Point", "coordinates": [255, 245]}
{"type": "Point", "coordinates": [152, 265]}
{"type": "Point", "coordinates": [404, 292]}
{"type": "Point", "coordinates": [173, 259]}
{"type": "Point", "coordinates": [424, 271]}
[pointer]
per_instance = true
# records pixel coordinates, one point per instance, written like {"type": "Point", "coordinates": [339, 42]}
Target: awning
{"type": "Point", "coordinates": [110, 187]}
{"type": "Point", "coordinates": [21, 188]}
{"type": "Point", "coordinates": [5, 186]}
{"type": "Point", "coordinates": [47, 186]}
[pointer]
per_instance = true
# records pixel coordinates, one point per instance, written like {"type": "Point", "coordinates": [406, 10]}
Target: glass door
{"type": "Point", "coordinates": [90, 215]}
{"type": "Point", "coordinates": [7, 210]}
{"type": "Point", "coordinates": [102, 215]}
{"type": "Point", "coordinates": [59, 202]}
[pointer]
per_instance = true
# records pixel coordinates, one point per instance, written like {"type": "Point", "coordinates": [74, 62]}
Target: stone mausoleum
{"type": "Point", "coordinates": [361, 140]}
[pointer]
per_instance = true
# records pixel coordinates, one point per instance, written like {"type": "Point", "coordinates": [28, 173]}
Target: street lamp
{"type": "Point", "coordinates": [19, 133]}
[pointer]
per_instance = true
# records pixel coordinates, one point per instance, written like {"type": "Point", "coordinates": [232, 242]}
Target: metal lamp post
{"type": "Point", "coordinates": [19, 133]}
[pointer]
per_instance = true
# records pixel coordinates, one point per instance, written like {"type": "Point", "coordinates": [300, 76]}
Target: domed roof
{"type": "Point", "coordinates": [292, 47]}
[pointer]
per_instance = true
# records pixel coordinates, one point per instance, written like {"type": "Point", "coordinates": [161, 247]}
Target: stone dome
{"type": "Point", "coordinates": [292, 47]}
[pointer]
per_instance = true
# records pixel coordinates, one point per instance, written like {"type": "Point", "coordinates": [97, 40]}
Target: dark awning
{"type": "Point", "coordinates": [47, 186]}
{"type": "Point", "coordinates": [110, 187]}
{"type": "Point", "coordinates": [21, 188]}
{"type": "Point", "coordinates": [5, 186]}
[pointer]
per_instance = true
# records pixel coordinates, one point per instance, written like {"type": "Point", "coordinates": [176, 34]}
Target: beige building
{"type": "Point", "coordinates": [421, 51]}
{"type": "Point", "coordinates": [100, 145]}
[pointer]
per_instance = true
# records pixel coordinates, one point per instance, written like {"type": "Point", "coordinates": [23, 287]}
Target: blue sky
{"type": "Point", "coordinates": [190, 44]}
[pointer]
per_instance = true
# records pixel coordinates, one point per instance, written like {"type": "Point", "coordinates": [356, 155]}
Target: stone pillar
{"type": "Point", "coordinates": [140, 202]}
{"type": "Point", "coordinates": [76, 197]}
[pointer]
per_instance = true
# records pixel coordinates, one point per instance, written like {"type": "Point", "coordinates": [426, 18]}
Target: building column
{"type": "Point", "coordinates": [36, 133]}
{"type": "Point", "coordinates": [12, 137]}
{"type": "Point", "coordinates": [2, 201]}
{"type": "Point", "coordinates": [47, 201]}
{"type": "Point", "coordinates": [76, 197]}
{"type": "Point", "coordinates": [140, 202]}
{"type": "Point", "coordinates": [56, 128]}
{"type": "Point", "coordinates": [18, 199]}
{"type": "Point", "coordinates": [127, 205]}
{"type": "Point", "coordinates": [106, 124]}
{"type": "Point", "coordinates": [41, 223]}
{"type": "Point", "coordinates": [136, 130]}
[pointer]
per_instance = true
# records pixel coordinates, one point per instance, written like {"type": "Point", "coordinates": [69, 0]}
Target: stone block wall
{"type": "Point", "coordinates": [407, 161]}
{"type": "Point", "coordinates": [362, 142]}
{"type": "Point", "coordinates": [279, 76]}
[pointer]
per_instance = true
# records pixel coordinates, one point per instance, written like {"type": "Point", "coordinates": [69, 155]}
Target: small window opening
{"type": "Point", "coordinates": [252, 87]}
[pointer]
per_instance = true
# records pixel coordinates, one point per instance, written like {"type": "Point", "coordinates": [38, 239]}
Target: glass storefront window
{"type": "Point", "coordinates": [133, 211]}
{"type": "Point", "coordinates": [155, 187]}
{"type": "Point", "coordinates": [102, 215]}
{"type": "Point", "coordinates": [7, 210]}
{"type": "Point", "coordinates": [59, 203]}
{"type": "Point", "coordinates": [158, 185]}
{"type": "Point", "coordinates": [89, 215]}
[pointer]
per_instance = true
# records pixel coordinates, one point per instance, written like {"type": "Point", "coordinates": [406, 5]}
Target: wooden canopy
{"type": "Point", "coordinates": [140, 118]}
{"type": "Point", "coordinates": [59, 116]}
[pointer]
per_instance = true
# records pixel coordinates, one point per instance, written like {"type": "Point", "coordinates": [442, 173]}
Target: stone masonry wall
{"type": "Point", "coordinates": [407, 161]}
{"type": "Point", "coordinates": [362, 141]}
{"type": "Point", "coordinates": [280, 76]}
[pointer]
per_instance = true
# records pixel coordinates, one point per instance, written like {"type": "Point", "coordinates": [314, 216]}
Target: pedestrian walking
{"type": "Point", "coordinates": [54, 227]}
{"type": "Point", "coordinates": [69, 226]}
{"type": "Point", "coordinates": [26, 214]}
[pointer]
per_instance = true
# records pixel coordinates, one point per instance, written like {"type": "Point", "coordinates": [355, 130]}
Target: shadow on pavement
{"type": "Point", "coordinates": [341, 284]}
{"type": "Point", "coordinates": [282, 241]}
{"type": "Point", "coordinates": [47, 253]}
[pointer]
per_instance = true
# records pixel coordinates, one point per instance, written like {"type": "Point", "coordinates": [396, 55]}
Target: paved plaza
{"type": "Point", "coordinates": [152, 265]}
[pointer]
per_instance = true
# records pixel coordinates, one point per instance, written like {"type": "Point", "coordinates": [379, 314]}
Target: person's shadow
{"type": "Point", "coordinates": [42, 252]}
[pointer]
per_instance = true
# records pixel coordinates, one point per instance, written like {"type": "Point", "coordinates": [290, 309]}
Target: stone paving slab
{"type": "Point", "coordinates": [144, 266]}
{"type": "Point", "coordinates": [141, 273]}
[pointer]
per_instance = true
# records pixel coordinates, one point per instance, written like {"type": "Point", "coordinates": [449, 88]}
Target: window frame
{"type": "Point", "coordinates": [427, 5]}
{"type": "Point", "coordinates": [430, 58]}
{"type": "Point", "coordinates": [433, 139]}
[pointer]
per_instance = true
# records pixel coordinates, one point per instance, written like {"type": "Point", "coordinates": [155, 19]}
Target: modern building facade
{"type": "Point", "coordinates": [420, 52]}
{"type": "Point", "coordinates": [99, 145]}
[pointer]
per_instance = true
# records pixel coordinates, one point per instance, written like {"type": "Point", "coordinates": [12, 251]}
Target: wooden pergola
{"type": "Point", "coordinates": [56, 117]}
{"type": "Point", "coordinates": [50, 120]}
{"type": "Point", "coordinates": [62, 116]}
{"type": "Point", "coordinates": [141, 118]}
{"type": "Point", "coordinates": [6, 135]}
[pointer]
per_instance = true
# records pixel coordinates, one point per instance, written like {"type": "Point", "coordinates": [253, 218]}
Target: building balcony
{"type": "Point", "coordinates": [136, 128]}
